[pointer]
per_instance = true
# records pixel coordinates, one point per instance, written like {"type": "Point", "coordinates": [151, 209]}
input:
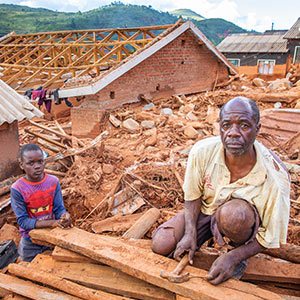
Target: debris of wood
{"type": "Point", "coordinates": [147, 265]}
{"type": "Point", "coordinates": [116, 224]}
{"type": "Point", "coordinates": [143, 224]}
{"type": "Point", "coordinates": [69, 287]}
{"type": "Point", "coordinates": [287, 252]}
{"type": "Point", "coordinates": [28, 289]}
{"type": "Point", "coordinates": [61, 254]}
{"type": "Point", "coordinates": [102, 277]}
{"type": "Point", "coordinates": [259, 267]}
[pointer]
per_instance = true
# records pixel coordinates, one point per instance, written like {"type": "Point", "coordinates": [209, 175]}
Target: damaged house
{"type": "Point", "coordinates": [13, 109]}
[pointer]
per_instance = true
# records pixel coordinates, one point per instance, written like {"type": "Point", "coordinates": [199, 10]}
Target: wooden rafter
{"type": "Point", "coordinates": [44, 57]}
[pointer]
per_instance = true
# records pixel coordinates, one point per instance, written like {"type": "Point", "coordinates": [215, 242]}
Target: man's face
{"type": "Point", "coordinates": [33, 164]}
{"type": "Point", "coordinates": [238, 128]}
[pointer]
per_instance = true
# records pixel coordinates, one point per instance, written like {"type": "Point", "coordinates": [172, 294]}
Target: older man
{"type": "Point", "coordinates": [233, 187]}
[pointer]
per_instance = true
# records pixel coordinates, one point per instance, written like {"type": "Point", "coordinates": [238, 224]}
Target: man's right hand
{"type": "Point", "coordinates": [188, 243]}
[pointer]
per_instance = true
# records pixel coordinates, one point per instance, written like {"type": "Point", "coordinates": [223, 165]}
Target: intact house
{"type": "Point", "coordinates": [13, 108]}
{"type": "Point", "coordinates": [181, 60]}
{"type": "Point", "coordinates": [268, 53]}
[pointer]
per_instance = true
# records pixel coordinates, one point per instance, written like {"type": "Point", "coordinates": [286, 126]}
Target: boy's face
{"type": "Point", "coordinates": [33, 164]}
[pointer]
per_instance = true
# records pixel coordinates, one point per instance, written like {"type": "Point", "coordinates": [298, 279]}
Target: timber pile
{"type": "Point", "coordinates": [135, 168]}
{"type": "Point", "coordinates": [89, 266]}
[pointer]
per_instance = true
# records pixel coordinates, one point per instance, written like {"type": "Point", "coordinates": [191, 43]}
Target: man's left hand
{"type": "Point", "coordinates": [222, 269]}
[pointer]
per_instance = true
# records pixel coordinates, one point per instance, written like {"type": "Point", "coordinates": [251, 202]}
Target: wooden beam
{"type": "Point", "coordinates": [147, 265]}
{"type": "Point", "coordinates": [59, 283]}
{"type": "Point", "coordinates": [101, 277]}
{"type": "Point", "coordinates": [31, 290]}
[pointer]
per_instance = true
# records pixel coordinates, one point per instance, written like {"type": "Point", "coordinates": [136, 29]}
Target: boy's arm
{"type": "Point", "coordinates": [64, 218]}
{"type": "Point", "coordinates": [19, 207]}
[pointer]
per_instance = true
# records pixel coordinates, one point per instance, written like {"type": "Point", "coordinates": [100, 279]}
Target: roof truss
{"type": "Point", "coordinates": [48, 58]}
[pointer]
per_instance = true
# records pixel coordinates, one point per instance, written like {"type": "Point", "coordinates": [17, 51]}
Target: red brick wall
{"type": "Point", "coordinates": [183, 66]}
{"type": "Point", "coordinates": [9, 138]}
{"type": "Point", "coordinates": [86, 119]}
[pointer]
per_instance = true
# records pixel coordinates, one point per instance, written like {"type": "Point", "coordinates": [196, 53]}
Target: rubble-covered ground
{"type": "Point", "coordinates": [143, 157]}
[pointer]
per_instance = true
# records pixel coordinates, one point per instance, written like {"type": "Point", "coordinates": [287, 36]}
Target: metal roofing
{"type": "Point", "coordinates": [14, 106]}
{"type": "Point", "coordinates": [255, 43]}
{"type": "Point", "coordinates": [294, 32]}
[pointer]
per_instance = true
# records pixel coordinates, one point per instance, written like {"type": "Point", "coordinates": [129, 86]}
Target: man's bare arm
{"type": "Point", "coordinates": [188, 243]}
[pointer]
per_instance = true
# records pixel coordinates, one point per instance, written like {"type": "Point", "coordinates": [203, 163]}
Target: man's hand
{"type": "Point", "coordinates": [188, 244]}
{"type": "Point", "coordinates": [222, 269]}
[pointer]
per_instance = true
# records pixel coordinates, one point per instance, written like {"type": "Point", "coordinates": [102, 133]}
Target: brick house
{"type": "Point", "coordinates": [13, 108]}
{"type": "Point", "coordinates": [179, 61]}
{"type": "Point", "coordinates": [268, 53]}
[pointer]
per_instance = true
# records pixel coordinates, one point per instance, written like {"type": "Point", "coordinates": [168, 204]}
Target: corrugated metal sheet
{"type": "Point", "coordinates": [255, 43]}
{"type": "Point", "coordinates": [294, 32]}
{"type": "Point", "coordinates": [14, 106]}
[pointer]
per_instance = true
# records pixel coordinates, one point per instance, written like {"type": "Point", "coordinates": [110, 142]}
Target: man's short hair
{"type": "Point", "coordinates": [253, 105]}
{"type": "Point", "coordinates": [29, 147]}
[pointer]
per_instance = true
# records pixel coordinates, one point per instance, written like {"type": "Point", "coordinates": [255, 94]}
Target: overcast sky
{"type": "Point", "coordinates": [254, 14]}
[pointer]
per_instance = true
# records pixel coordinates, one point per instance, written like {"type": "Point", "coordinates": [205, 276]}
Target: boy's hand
{"type": "Point", "coordinates": [65, 221]}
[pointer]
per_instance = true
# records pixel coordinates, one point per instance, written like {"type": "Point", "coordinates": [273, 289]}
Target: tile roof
{"type": "Point", "coordinates": [294, 32]}
{"type": "Point", "coordinates": [14, 106]}
{"type": "Point", "coordinates": [254, 43]}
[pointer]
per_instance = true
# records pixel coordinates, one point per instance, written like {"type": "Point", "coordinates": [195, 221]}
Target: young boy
{"type": "Point", "coordinates": [36, 200]}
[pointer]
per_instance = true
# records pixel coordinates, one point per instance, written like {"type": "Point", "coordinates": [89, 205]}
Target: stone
{"type": "Point", "coordinates": [186, 108]}
{"type": "Point", "coordinates": [166, 111]}
{"type": "Point", "coordinates": [151, 141]}
{"type": "Point", "coordinates": [191, 116]}
{"type": "Point", "coordinates": [107, 168]}
{"type": "Point", "coordinates": [10, 232]}
{"type": "Point", "coordinates": [149, 106]}
{"type": "Point", "coordinates": [258, 82]}
{"type": "Point", "coordinates": [148, 124]}
{"type": "Point", "coordinates": [131, 124]}
{"type": "Point", "coordinates": [190, 132]}
{"type": "Point", "coordinates": [280, 84]}
{"type": "Point", "coordinates": [212, 114]}
{"type": "Point", "coordinates": [113, 120]}
{"type": "Point", "coordinates": [198, 125]}
{"type": "Point", "coordinates": [150, 132]}
{"type": "Point", "coordinates": [297, 83]}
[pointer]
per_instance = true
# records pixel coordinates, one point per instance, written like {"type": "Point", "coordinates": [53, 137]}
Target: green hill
{"type": "Point", "coordinates": [186, 14]}
{"type": "Point", "coordinates": [23, 19]}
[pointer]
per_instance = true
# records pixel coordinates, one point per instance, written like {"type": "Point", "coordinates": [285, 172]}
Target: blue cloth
{"type": "Point", "coordinates": [28, 250]}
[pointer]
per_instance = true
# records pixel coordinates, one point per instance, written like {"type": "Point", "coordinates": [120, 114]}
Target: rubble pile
{"type": "Point", "coordinates": [138, 161]}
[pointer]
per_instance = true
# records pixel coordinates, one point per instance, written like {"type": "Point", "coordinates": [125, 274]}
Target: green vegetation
{"type": "Point", "coordinates": [186, 14]}
{"type": "Point", "coordinates": [23, 19]}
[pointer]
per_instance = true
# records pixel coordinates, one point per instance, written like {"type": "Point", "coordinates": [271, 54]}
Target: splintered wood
{"type": "Point", "coordinates": [147, 265]}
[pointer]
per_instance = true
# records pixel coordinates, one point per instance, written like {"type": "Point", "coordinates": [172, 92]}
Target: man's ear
{"type": "Point", "coordinates": [258, 126]}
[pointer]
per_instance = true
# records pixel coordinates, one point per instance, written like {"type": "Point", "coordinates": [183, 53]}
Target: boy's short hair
{"type": "Point", "coordinates": [29, 147]}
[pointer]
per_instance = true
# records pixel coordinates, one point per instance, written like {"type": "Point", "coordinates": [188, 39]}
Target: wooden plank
{"type": "Point", "coordinates": [143, 224]}
{"type": "Point", "coordinates": [61, 254]}
{"type": "Point", "coordinates": [59, 283]}
{"type": "Point", "coordinates": [33, 291]}
{"type": "Point", "coordinates": [258, 268]}
{"type": "Point", "coordinates": [288, 252]}
{"type": "Point", "coordinates": [102, 277]}
{"type": "Point", "coordinates": [147, 265]}
{"type": "Point", "coordinates": [116, 223]}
